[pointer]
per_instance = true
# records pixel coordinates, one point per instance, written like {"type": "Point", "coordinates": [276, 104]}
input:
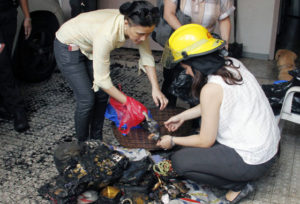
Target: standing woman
{"type": "Point", "coordinates": [239, 136]}
{"type": "Point", "coordinates": [82, 49]}
{"type": "Point", "coordinates": [209, 14]}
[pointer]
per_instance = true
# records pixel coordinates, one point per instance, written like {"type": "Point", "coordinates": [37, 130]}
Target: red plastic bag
{"type": "Point", "coordinates": [129, 114]}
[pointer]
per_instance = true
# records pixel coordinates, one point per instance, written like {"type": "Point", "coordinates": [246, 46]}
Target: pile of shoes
{"type": "Point", "coordinates": [276, 92]}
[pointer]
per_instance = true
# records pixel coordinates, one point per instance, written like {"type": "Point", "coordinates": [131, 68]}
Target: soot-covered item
{"type": "Point", "coordinates": [90, 165]}
{"type": "Point", "coordinates": [181, 87]}
{"type": "Point", "coordinates": [276, 92]}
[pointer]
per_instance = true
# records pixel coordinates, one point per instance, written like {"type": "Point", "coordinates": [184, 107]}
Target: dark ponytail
{"type": "Point", "coordinates": [229, 78]}
{"type": "Point", "coordinates": [141, 13]}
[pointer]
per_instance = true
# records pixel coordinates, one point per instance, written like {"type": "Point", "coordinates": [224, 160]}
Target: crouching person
{"type": "Point", "coordinates": [239, 137]}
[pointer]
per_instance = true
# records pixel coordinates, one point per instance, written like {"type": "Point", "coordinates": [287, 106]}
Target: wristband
{"type": "Point", "coordinates": [172, 142]}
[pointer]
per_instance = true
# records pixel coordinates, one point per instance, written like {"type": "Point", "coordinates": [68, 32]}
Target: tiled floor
{"type": "Point", "coordinates": [26, 160]}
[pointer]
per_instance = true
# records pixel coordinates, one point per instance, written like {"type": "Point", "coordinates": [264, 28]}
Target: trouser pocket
{"type": "Point", "coordinates": [67, 54]}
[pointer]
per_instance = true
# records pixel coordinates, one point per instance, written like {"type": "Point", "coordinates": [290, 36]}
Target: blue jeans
{"type": "Point", "coordinates": [90, 105]}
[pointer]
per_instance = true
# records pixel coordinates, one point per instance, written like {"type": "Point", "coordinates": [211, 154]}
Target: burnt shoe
{"type": "Point", "coordinates": [20, 121]}
{"type": "Point", "coordinates": [243, 194]}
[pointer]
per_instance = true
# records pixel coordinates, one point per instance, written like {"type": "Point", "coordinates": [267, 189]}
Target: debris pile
{"type": "Point", "coordinates": [94, 172]}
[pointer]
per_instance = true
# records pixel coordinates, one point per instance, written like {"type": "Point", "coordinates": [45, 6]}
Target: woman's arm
{"type": "Point", "coordinates": [189, 114]}
{"type": "Point", "coordinates": [147, 64]}
{"type": "Point", "coordinates": [115, 93]}
{"type": "Point", "coordinates": [173, 123]}
{"type": "Point", "coordinates": [210, 103]}
{"type": "Point", "coordinates": [158, 97]}
{"type": "Point", "coordinates": [169, 14]}
{"type": "Point", "coordinates": [101, 66]}
{"type": "Point", "coordinates": [225, 27]}
{"type": "Point", "coordinates": [27, 20]}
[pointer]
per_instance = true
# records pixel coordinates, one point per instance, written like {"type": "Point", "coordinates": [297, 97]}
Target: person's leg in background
{"type": "Point", "coordinates": [75, 7]}
{"type": "Point", "coordinates": [80, 6]}
{"type": "Point", "coordinates": [9, 90]}
{"type": "Point", "coordinates": [73, 67]}
{"type": "Point", "coordinates": [168, 75]}
{"type": "Point", "coordinates": [99, 109]}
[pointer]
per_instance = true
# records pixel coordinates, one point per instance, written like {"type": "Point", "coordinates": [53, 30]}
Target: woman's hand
{"type": "Point", "coordinates": [27, 27]}
{"type": "Point", "coordinates": [159, 99]}
{"type": "Point", "coordinates": [27, 20]}
{"type": "Point", "coordinates": [173, 123]}
{"type": "Point", "coordinates": [165, 142]}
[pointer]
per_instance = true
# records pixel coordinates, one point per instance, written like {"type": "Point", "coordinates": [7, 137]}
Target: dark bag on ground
{"type": "Point", "coordinates": [235, 50]}
{"type": "Point", "coordinates": [276, 92]}
{"type": "Point", "coordinates": [163, 30]}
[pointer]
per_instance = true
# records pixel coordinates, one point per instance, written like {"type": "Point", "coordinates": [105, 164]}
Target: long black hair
{"type": "Point", "coordinates": [141, 13]}
{"type": "Point", "coordinates": [229, 77]}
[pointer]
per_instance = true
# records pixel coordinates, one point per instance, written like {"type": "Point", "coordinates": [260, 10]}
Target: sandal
{"type": "Point", "coordinates": [243, 194]}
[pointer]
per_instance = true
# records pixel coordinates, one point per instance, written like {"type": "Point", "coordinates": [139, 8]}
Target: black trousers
{"type": "Point", "coordinates": [169, 76]}
{"type": "Point", "coordinates": [219, 166]}
{"type": "Point", "coordinates": [10, 96]}
{"type": "Point", "coordinates": [80, 6]}
{"type": "Point", "coordinates": [90, 105]}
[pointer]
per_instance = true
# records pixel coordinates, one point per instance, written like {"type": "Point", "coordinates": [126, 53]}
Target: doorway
{"type": "Point", "coordinates": [289, 26]}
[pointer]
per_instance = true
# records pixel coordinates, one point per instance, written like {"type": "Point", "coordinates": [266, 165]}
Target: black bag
{"type": "Point", "coordinates": [163, 30]}
{"type": "Point", "coordinates": [276, 93]}
{"type": "Point", "coordinates": [181, 86]}
{"type": "Point", "coordinates": [235, 49]}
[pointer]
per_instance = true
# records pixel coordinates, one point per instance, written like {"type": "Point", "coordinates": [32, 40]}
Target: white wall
{"type": "Point", "coordinates": [116, 4]}
{"type": "Point", "coordinates": [257, 25]}
{"type": "Point", "coordinates": [256, 29]}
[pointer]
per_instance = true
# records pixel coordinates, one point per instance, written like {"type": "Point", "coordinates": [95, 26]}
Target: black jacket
{"type": "Point", "coordinates": [8, 4]}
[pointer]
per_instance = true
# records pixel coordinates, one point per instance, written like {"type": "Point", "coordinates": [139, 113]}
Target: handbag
{"type": "Point", "coordinates": [163, 30]}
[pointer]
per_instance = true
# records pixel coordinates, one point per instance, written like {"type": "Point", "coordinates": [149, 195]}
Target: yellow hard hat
{"type": "Point", "coordinates": [192, 40]}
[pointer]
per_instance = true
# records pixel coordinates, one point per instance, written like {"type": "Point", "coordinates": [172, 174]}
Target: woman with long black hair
{"type": "Point", "coordinates": [239, 137]}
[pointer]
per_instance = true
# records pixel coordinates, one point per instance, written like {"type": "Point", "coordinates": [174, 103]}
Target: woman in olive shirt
{"type": "Point", "coordinates": [82, 49]}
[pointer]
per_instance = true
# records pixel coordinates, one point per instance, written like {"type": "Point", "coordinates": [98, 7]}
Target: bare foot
{"type": "Point", "coordinates": [236, 196]}
{"type": "Point", "coordinates": [231, 195]}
